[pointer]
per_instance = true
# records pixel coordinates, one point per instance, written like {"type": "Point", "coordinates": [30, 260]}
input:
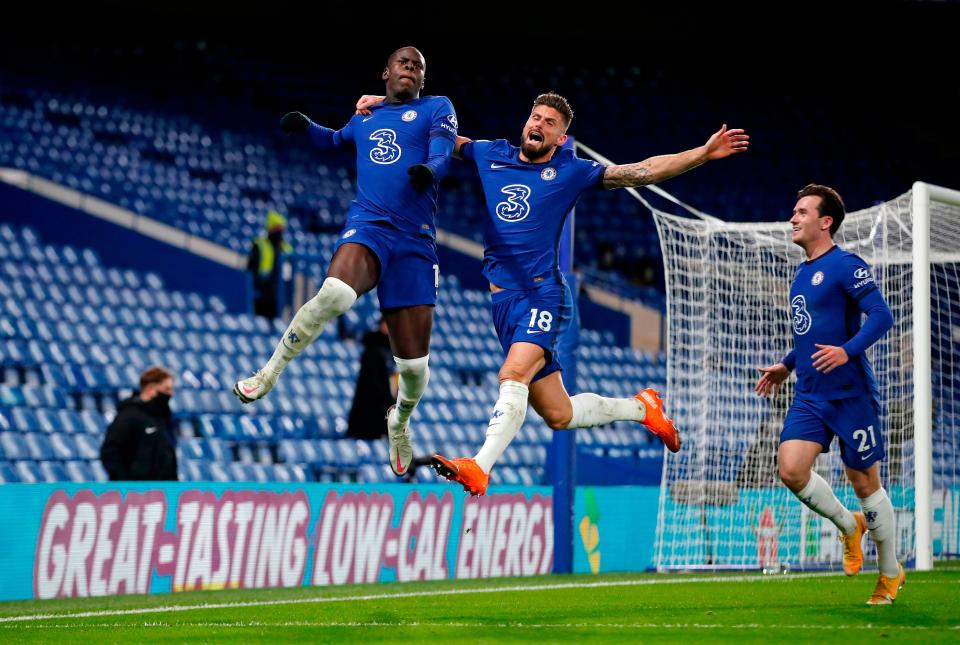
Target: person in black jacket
{"type": "Point", "coordinates": [376, 387]}
{"type": "Point", "coordinates": [140, 444]}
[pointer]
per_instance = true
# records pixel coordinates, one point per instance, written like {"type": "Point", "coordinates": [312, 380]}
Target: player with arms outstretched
{"type": "Point", "coordinates": [529, 191]}
{"type": "Point", "coordinates": [403, 149]}
{"type": "Point", "coordinates": [836, 393]}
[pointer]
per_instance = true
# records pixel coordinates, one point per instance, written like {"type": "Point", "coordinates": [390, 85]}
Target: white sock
{"type": "Point", "coordinates": [882, 523]}
{"type": "Point", "coordinates": [818, 495]}
{"type": "Point", "coordinates": [414, 373]}
{"type": "Point", "coordinates": [333, 299]}
{"type": "Point", "coordinates": [505, 422]}
{"type": "Point", "coordinates": [593, 410]}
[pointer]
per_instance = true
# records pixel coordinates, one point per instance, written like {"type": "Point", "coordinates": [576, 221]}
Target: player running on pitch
{"type": "Point", "coordinates": [836, 393]}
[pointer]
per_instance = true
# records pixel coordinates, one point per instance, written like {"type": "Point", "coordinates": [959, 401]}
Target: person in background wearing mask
{"type": "Point", "coordinates": [140, 443]}
{"type": "Point", "coordinates": [265, 265]}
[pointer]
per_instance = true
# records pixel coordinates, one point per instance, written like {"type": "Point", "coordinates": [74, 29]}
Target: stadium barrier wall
{"type": "Point", "coordinates": [780, 532]}
{"type": "Point", "coordinates": [66, 540]}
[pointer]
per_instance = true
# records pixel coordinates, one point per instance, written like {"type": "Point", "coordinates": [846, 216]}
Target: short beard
{"type": "Point", "coordinates": [534, 151]}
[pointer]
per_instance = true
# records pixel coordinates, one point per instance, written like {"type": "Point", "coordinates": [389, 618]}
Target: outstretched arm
{"type": "Point", "coordinates": [323, 138]}
{"type": "Point", "coordinates": [722, 144]}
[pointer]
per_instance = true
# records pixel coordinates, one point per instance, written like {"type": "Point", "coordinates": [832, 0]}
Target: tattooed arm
{"type": "Point", "coordinates": [652, 170]}
{"type": "Point", "coordinates": [722, 144]}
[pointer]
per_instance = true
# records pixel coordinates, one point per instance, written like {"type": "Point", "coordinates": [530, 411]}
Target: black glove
{"type": "Point", "coordinates": [293, 122]}
{"type": "Point", "coordinates": [421, 177]}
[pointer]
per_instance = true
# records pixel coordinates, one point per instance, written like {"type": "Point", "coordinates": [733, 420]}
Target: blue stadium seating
{"type": "Point", "coordinates": [216, 184]}
{"type": "Point", "coordinates": [71, 362]}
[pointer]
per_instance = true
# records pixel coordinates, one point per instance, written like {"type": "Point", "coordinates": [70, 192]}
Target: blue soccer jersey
{"type": "Point", "coordinates": [392, 138]}
{"type": "Point", "coordinates": [527, 204]}
{"type": "Point", "coordinates": [828, 297]}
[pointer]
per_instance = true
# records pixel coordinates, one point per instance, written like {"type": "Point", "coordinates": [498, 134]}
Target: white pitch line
{"type": "Point", "coordinates": [478, 625]}
{"type": "Point", "coordinates": [411, 594]}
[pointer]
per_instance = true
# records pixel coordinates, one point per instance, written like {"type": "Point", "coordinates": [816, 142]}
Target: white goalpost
{"type": "Point", "coordinates": [934, 212]}
{"type": "Point", "coordinates": [722, 505]}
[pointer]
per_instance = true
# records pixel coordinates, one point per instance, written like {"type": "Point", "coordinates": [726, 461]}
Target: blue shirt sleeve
{"type": "Point", "coordinates": [591, 172]}
{"type": "Point", "coordinates": [346, 133]}
{"type": "Point", "coordinates": [790, 360]}
{"type": "Point", "coordinates": [860, 286]}
{"type": "Point", "coordinates": [856, 278]}
{"type": "Point", "coordinates": [879, 321]}
{"type": "Point", "coordinates": [443, 137]}
{"type": "Point", "coordinates": [444, 122]}
{"type": "Point", "coordinates": [475, 150]}
{"type": "Point", "coordinates": [438, 158]}
{"type": "Point", "coordinates": [325, 138]}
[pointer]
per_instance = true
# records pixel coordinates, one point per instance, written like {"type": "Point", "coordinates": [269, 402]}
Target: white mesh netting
{"type": "Point", "coordinates": [722, 504]}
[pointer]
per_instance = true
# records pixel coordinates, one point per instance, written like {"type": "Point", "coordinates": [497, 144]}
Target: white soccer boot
{"type": "Point", "coordinates": [401, 450]}
{"type": "Point", "coordinates": [256, 387]}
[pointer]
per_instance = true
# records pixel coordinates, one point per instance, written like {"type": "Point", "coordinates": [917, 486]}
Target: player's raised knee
{"type": "Point", "coordinates": [408, 367]}
{"type": "Point", "coordinates": [336, 296]}
{"type": "Point", "coordinates": [557, 420]}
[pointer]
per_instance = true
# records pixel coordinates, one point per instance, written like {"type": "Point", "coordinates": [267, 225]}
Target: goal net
{"type": "Point", "coordinates": [722, 504]}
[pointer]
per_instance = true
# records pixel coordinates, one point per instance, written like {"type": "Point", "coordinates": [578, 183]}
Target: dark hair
{"type": "Point", "coordinates": [558, 103]}
{"type": "Point", "coordinates": [831, 204]}
{"type": "Point", "coordinates": [399, 49]}
{"type": "Point", "coordinates": [155, 374]}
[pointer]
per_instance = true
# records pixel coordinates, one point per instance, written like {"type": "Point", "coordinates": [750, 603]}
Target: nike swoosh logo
{"type": "Point", "coordinates": [367, 119]}
{"type": "Point", "coordinates": [399, 465]}
{"type": "Point", "coordinates": [866, 456]}
{"type": "Point", "coordinates": [248, 390]}
{"type": "Point", "coordinates": [496, 165]}
{"type": "Point", "coordinates": [534, 331]}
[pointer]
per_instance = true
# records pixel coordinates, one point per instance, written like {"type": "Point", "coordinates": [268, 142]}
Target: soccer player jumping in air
{"type": "Point", "coordinates": [403, 150]}
{"type": "Point", "coordinates": [529, 191]}
{"type": "Point", "coordinates": [836, 393]}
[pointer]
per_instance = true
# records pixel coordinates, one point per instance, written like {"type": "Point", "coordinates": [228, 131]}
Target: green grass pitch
{"type": "Point", "coordinates": [692, 608]}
